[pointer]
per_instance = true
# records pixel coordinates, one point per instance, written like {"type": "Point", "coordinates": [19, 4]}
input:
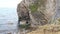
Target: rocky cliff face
{"type": "Point", "coordinates": [41, 13]}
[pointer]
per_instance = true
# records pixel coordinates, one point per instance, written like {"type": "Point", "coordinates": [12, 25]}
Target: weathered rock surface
{"type": "Point", "coordinates": [41, 13]}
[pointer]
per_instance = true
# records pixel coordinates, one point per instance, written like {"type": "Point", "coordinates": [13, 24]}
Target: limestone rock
{"type": "Point", "coordinates": [42, 11]}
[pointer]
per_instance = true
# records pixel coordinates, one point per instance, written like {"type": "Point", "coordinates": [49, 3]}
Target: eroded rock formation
{"type": "Point", "coordinates": [41, 13]}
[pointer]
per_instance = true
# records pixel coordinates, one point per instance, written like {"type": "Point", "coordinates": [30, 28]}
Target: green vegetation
{"type": "Point", "coordinates": [25, 26]}
{"type": "Point", "coordinates": [33, 8]}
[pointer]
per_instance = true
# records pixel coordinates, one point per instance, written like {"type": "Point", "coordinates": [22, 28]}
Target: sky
{"type": "Point", "coordinates": [9, 3]}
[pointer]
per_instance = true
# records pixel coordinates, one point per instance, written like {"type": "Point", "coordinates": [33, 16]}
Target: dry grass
{"type": "Point", "coordinates": [47, 29]}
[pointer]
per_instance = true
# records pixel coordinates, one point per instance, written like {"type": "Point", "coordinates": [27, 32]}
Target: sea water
{"type": "Point", "coordinates": [8, 20]}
